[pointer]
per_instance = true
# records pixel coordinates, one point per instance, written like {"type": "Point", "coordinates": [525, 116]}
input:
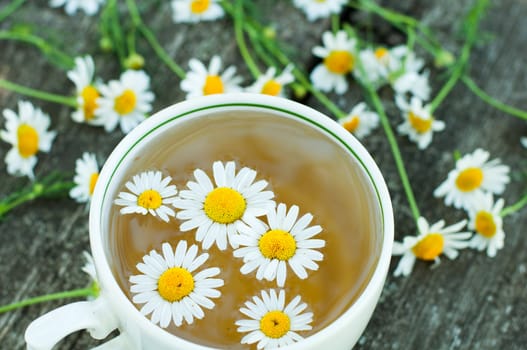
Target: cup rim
{"type": "Point", "coordinates": [276, 105]}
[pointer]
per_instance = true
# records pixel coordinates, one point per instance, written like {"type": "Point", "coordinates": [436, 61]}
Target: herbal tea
{"type": "Point", "coordinates": [303, 168]}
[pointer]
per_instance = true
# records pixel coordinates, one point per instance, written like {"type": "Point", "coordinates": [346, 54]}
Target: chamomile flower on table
{"type": "Point", "coordinates": [338, 54]}
{"type": "Point", "coordinates": [287, 240]}
{"type": "Point", "coordinates": [27, 132]}
{"type": "Point", "coordinates": [473, 175]}
{"type": "Point", "coordinates": [87, 92]}
{"type": "Point", "coordinates": [405, 73]}
{"type": "Point", "coordinates": [170, 286]}
{"type": "Point", "coordinates": [486, 221]}
{"type": "Point", "coordinates": [90, 7]}
{"type": "Point", "coordinates": [193, 11]}
{"type": "Point", "coordinates": [419, 124]}
{"type": "Point", "coordinates": [202, 81]}
{"type": "Point", "coordinates": [315, 9]}
{"type": "Point", "coordinates": [360, 121]}
{"type": "Point", "coordinates": [272, 84]}
{"type": "Point", "coordinates": [217, 211]}
{"type": "Point", "coordinates": [432, 241]}
{"type": "Point", "coordinates": [86, 176]}
{"type": "Point", "coordinates": [150, 193]}
{"type": "Point", "coordinates": [271, 323]}
{"type": "Point", "coordinates": [125, 102]}
{"type": "Point", "coordinates": [377, 65]}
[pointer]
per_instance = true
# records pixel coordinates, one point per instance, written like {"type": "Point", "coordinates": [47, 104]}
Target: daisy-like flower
{"type": "Point", "coordinates": [170, 289]}
{"type": "Point", "coordinates": [419, 124]}
{"type": "Point", "coordinates": [338, 53]}
{"type": "Point", "coordinates": [430, 244]}
{"type": "Point", "coordinates": [149, 194]}
{"type": "Point", "coordinates": [360, 121]}
{"type": "Point", "coordinates": [125, 101]}
{"type": "Point", "coordinates": [414, 83]}
{"type": "Point", "coordinates": [28, 133]}
{"type": "Point", "coordinates": [286, 240]}
{"type": "Point", "coordinates": [90, 7]}
{"type": "Point", "coordinates": [315, 9]}
{"type": "Point", "coordinates": [272, 324]}
{"type": "Point", "coordinates": [201, 81]}
{"type": "Point", "coordinates": [404, 73]}
{"type": "Point", "coordinates": [472, 176]}
{"type": "Point", "coordinates": [486, 221]}
{"type": "Point", "coordinates": [377, 65]}
{"type": "Point", "coordinates": [87, 92]}
{"type": "Point", "coordinates": [192, 11]}
{"type": "Point", "coordinates": [86, 175]}
{"type": "Point", "coordinates": [218, 211]}
{"type": "Point", "coordinates": [89, 266]}
{"type": "Point", "coordinates": [270, 84]}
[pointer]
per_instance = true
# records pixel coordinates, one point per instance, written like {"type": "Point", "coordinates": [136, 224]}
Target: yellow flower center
{"type": "Point", "coordinates": [149, 199]}
{"type": "Point", "coordinates": [275, 324]}
{"type": "Point", "coordinates": [125, 103]}
{"type": "Point", "coordinates": [419, 124]}
{"type": "Point", "coordinates": [224, 205]}
{"type": "Point", "coordinates": [485, 224]}
{"type": "Point", "coordinates": [277, 244]}
{"type": "Point", "coordinates": [352, 124]}
{"type": "Point", "coordinates": [89, 95]}
{"type": "Point", "coordinates": [339, 62]}
{"type": "Point", "coordinates": [380, 53]}
{"type": "Point", "coordinates": [272, 87]}
{"type": "Point", "coordinates": [213, 85]}
{"type": "Point", "coordinates": [469, 179]}
{"type": "Point", "coordinates": [93, 180]}
{"type": "Point", "coordinates": [175, 284]}
{"type": "Point", "coordinates": [27, 140]}
{"type": "Point", "coordinates": [429, 247]}
{"type": "Point", "coordinates": [199, 6]}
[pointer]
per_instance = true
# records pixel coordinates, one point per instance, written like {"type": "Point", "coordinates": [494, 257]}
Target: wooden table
{"type": "Point", "coordinates": [474, 302]}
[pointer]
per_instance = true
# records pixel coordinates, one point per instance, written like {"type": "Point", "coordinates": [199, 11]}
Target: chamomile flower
{"type": "Point", "coordinates": [377, 65]}
{"type": "Point", "coordinates": [360, 121]}
{"type": "Point", "coordinates": [28, 133]}
{"type": "Point", "coordinates": [419, 124]}
{"type": "Point", "coordinates": [89, 266]}
{"type": "Point", "coordinates": [90, 7]}
{"type": "Point", "coordinates": [286, 240]}
{"type": "Point", "coordinates": [149, 195]}
{"type": "Point", "coordinates": [218, 210]}
{"type": "Point", "coordinates": [201, 81]}
{"type": "Point", "coordinates": [87, 92]}
{"type": "Point", "coordinates": [86, 175]}
{"type": "Point", "coordinates": [125, 101]}
{"type": "Point", "coordinates": [430, 244]}
{"type": "Point", "coordinates": [271, 323]}
{"type": "Point", "coordinates": [416, 84]}
{"type": "Point", "coordinates": [270, 84]}
{"type": "Point", "coordinates": [338, 54]}
{"type": "Point", "coordinates": [405, 73]}
{"type": "Point", "coordinates": [192, 11]}
{"type": "Point", "coordinates": [473, 175]}
{"type": "Point", "coordinates": [486, 221]}
{"type": "Point", "coordinates": [170, 288]}
{"type": "Point", "coordinates": [315, 9]}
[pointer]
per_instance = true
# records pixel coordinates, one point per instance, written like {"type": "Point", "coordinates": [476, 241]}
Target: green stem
{"type": "Point", "coordinates": [515, 207]}
{"type": "Point", "coordinates": [42, 95]}
{"type": "Point", "coordinates": [238, 28]}
{"type": "Point", "coordinates": [9, 9]}
{"type": "Point", "coordinates": [335, 23]}
{"type": "Point", "coordinates": [491, 100]}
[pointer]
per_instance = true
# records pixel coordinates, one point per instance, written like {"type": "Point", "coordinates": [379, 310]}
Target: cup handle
{"type": "Point", "coordinates": [95, 316]}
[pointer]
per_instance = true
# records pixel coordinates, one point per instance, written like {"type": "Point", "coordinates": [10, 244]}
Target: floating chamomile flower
{"type": "Point", "coordinates": [315, 9]}
{"type": "Point", "coordinates": [170, 289]}
{"type": "Point", "coordinates": [432, 241]}
{"type": "Point", "coordinates": [272, 324]}
{"type": "Point", "coordinates": [486, 221]}
{"type": "Point", "coordinates": [87, 92]}
{"type": "Point", "coordinates": [285, 240]}
{"type": "Point", "coordinates": [270, 84]}
{"type": "Point", "coordinates": [149, 194]}
{"type": "Point", "coordinates": [125, 101]}
{"type": "Point", "coordinates": [472, 176]}
{"type": "Point", "coordinates": [217, 211]}
{"type": "Point", "coordinates": [28, 133]}
{"type": "Point", "coordinates": [338, 53]}
{"type": "Point", "coordinates": [90, 7]}
{"type": "Point", "coordinates": [192, 11]}
{"type": "Point", "coordinates": [202, 81]}
{"type": "Point", "coordinates": [86, 176]}
{"type": "Point", "coordinates": [419, 124]}
{"type": "Point", "coordinates": [360, 121]}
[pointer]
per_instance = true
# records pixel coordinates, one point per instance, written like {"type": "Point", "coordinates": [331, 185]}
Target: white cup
{"type": "Point", "coordinates": [113, 310]}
